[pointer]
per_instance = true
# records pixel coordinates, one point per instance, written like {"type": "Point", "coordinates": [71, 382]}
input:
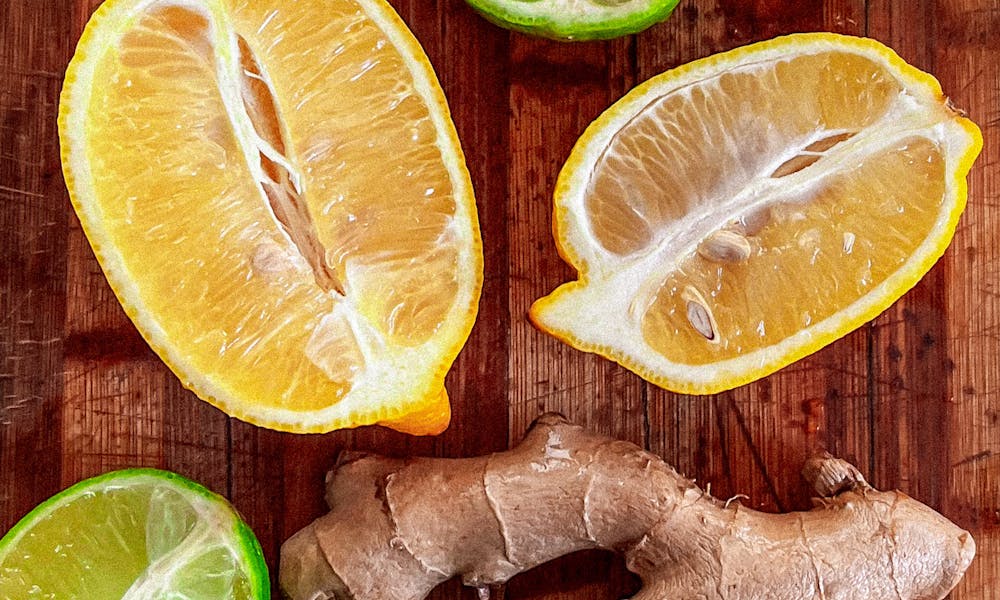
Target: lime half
{"type": "Point", "coordinates": [133, 534]}
{"type": "Point", "coordinates": [575, 19]}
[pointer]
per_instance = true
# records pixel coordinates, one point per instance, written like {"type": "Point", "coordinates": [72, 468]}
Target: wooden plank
{"type": "Point", "coordinates": [557, 89]}
{"type": "Point", "coordinates": [906, 352]}
{"type": "Point", "coordinates": [257, 486]}
{"type": "Point", "coordinates": [471, 59]}
{"type": "Point", "coordinates": [937, 428]}
{"type": "Point", "coordinates": [32, 254]}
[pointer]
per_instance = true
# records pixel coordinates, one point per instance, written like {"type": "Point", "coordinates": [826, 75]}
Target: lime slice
{"type": "Point", "coordinates": [133, 534]}
{"type": "Point", "coordinates": [575, 19]}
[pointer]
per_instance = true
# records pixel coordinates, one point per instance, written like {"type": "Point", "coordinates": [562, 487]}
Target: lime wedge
{"type": "Point", "coordinates": [575, 19]}
{"type": "Point", "coordinates": [133, 534]}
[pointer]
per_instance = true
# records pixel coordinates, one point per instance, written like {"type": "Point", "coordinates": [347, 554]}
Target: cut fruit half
{"type": "Point", "coordinates": [575, 20]}
{"type": "Point", "coordinates": [278, 197]}
{"type": "Point", "coordinates": [737, 213]}
{"type": "Point", "coordinates": [135, 534]}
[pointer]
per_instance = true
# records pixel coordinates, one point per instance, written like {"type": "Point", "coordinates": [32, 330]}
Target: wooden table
{"type": "Point", "coordinates": [913, 398]}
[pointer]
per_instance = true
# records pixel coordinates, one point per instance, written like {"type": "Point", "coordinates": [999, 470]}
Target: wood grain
{"type": "Point", "coordinates": [912, 398]}
{"type": "Point", "coordinates": [33, 252]}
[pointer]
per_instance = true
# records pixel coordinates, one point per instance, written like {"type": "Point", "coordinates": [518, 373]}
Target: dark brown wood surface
{"type": "Point", "coordinates": [913, 398]}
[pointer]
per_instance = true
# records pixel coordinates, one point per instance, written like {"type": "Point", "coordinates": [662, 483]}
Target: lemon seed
{"type": "Point", "coordinates": [725, 246]}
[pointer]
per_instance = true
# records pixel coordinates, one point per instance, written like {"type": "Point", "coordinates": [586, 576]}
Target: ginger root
{"type": "Point", "coordinates": [398, 528]}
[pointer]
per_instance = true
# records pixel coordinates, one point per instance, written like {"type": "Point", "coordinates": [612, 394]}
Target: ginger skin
{"type": "Point", "coordinates": [398, 528]}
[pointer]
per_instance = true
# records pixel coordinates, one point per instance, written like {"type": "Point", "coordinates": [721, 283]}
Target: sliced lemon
{"type": "Point", "coordinates": [278, 197]}
{"type": "Point", "coordinates": [134, 534]}
{"type": "Point", "coordinates": [575, 20]}
{"type": "Point", "coordinates": [737, 213]}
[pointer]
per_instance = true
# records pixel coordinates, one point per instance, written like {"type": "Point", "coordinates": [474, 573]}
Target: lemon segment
{"type": "Point", "coordinates": [278, 197]}
{"type": "Point", "coordinates": [735, 214]}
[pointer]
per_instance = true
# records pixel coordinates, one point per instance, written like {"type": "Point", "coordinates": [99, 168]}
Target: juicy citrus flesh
{"type": "Point", "coordinates": [278, 197]}
{"type": "Point", "coordinates": [736, 214]}
{"type": "Point", "coordinates": [134, 534]}
{"type": "Point", "coordinates": [575, 19]}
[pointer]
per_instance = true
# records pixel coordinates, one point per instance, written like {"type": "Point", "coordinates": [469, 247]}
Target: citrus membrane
{"type": "Point", "coordinates": [136, 534]}
{"type": "Point", "coordinates": [575, 19]}
{"type": "Point", "coordinates": [740, 212]}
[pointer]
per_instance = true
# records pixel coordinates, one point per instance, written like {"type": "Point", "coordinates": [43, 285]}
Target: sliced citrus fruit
{"type": "Point", "coordinates": [735, 214]}
{"type": "Point", "coordinates": [134, 534]}
{"type": "Point", "coordinates": [277, 194]}
{"type": "Point", "coordinates": [578, 20]}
